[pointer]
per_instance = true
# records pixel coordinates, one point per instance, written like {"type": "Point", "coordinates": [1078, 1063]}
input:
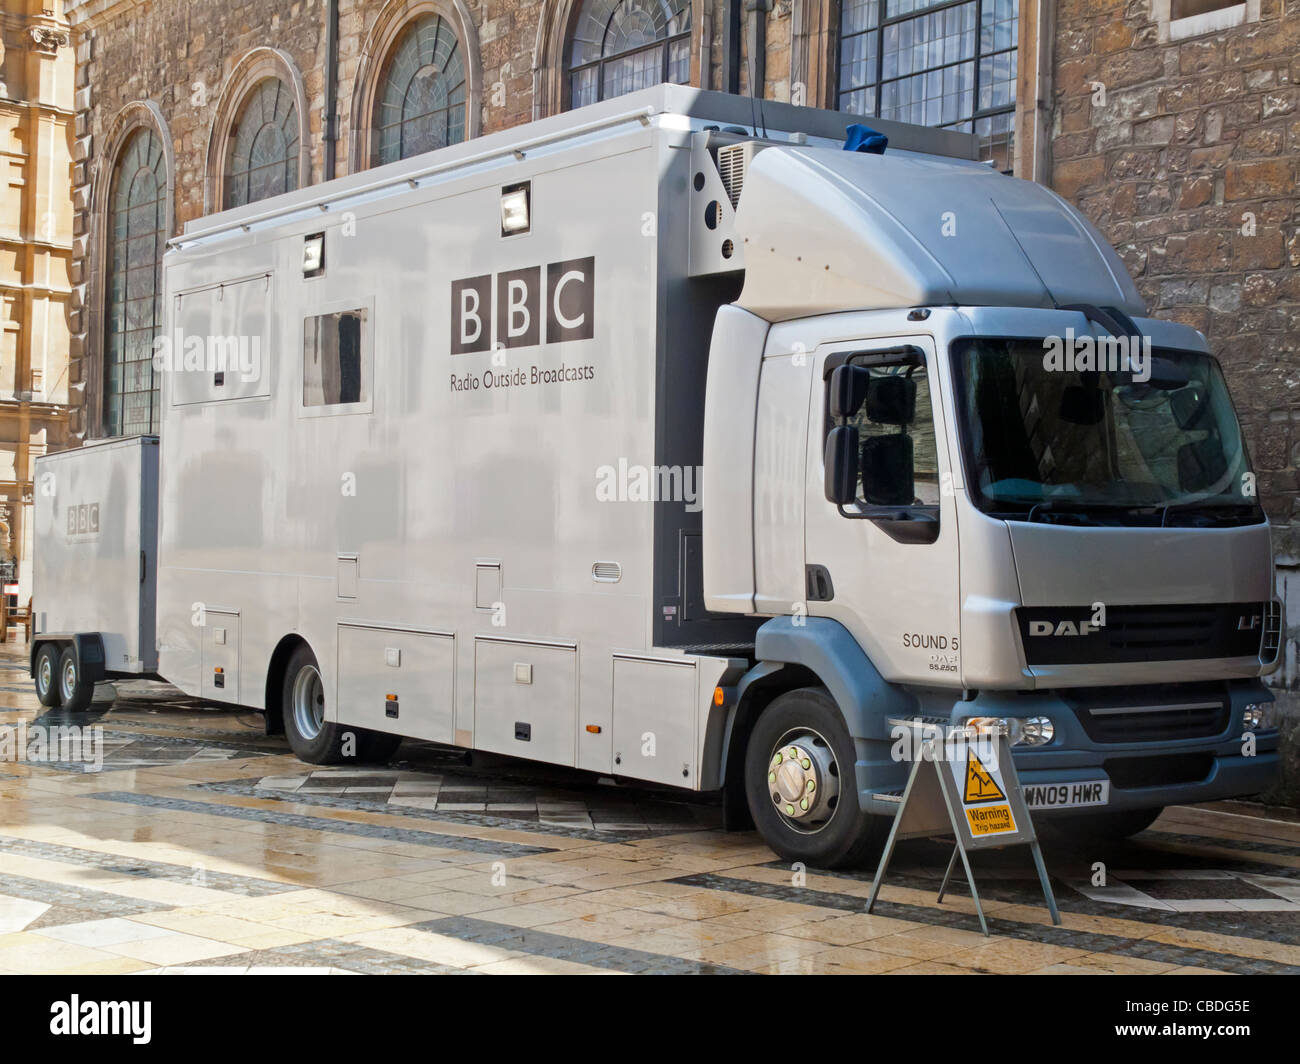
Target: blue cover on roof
{"type": "Point", "coordinates": [864, 138]}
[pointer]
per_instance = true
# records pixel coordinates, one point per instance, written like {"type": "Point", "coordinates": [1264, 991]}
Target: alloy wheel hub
{"type": "Point", "coordinates": [802, 779]}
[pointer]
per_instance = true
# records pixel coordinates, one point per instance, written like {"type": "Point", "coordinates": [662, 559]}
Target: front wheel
{"type": "Point", "coordinates": [800, 783]}
{"type": "Point", "coordinates": [75, 692]}
{"type": "Point", "coordinates": [47, 671]}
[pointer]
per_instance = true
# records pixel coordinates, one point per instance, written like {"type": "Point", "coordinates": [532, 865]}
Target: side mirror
{"type": "Point", "coordinates": [842, 464]}
{"type": "Point", "coordinates": [849, 387]}
{"type": "Point", "coordinates": [888, 473]}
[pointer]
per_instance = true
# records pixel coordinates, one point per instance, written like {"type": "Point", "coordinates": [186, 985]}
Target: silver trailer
{"type": "Point", "coordinates": [94, 581]}
{"type": "Point", "coordinates": [668, 440]}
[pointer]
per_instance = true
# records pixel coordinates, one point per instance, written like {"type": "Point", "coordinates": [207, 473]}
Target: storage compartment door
{"type": "Point", "coordinates": [396, 680]}
{"type": "Point", "coordinates": [526, 699]}
{"type": "Point", "coordinates": [220, 642]}
{"type": "Point", "coordinates": [655, 708]}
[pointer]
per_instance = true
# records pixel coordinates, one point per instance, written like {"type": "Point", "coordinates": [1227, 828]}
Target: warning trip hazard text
{"type": "Point", "coordinates": [990, 819]}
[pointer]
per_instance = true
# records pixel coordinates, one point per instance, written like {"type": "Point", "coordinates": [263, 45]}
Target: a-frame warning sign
{"type": "Point", "coordinates": [980, 785]}
{"type": "Point", "coordinates": [976, 799]}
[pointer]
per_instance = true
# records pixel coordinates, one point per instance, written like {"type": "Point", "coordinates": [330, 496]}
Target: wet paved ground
{"type": "Point", "coordinates": [202, 845]}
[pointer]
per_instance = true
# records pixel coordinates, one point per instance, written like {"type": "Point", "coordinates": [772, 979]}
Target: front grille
{"type": "Point", "coordinates": [1166, 712]}
{"type": "Point", "coordinates": [1054, 635]}
{"type": "Point", "coordinates": [1128, 773]}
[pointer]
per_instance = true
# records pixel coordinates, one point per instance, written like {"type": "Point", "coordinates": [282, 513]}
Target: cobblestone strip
{"type": "Point", "coordinates": [1217, 841]}
{"type": "Point", "coordinates": [146, 869]}
{"type": "Point", "coordinates": [326, 824]}
{"type": "Point", "coordinates": [1281, 927]}
{"type": "Point", "coordinates": [73, 904]}
{"type": "Point", "coordinates": [563, 947]}
{"type": "Point", "coordinates": [1092, 941]}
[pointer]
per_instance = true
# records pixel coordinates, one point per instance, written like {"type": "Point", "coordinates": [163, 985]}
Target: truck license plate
{"type": "Point", "coordinates": [1067, 795]}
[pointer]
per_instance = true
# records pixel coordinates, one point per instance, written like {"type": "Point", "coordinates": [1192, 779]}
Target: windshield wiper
{"type": "Point", "coordinates": [1219, 512]}
{"type": "Point", "coordinates": [1080, 509]}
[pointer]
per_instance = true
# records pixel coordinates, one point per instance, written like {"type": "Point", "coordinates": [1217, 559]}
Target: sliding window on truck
{"type": "Point", "coordinates": [881, 456]}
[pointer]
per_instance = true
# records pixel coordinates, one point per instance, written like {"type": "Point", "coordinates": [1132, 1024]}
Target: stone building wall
{"type": "Point", "coordinates": [1185, 153]}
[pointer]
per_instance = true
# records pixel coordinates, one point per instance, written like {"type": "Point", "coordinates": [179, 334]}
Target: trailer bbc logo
{"type": "Point", "coordinates": [512, 300]}
{"type": "Point", "coordinates": [83, 519]}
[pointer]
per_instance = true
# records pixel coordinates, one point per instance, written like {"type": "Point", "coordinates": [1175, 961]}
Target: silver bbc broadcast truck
{"type": "Point", "coordinates": [669, 440]}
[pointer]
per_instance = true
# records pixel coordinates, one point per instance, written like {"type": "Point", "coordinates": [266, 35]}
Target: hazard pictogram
{"type": "Point", "coordinates": [980, 786]}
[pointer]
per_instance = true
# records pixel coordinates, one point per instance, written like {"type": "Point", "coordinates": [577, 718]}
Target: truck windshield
{"type": "Point", "coordinates": [1046, 443]}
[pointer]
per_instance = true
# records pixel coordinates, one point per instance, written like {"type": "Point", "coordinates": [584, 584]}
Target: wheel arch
{"type": "Point", "coordinates": [754, 693]}
{"type": "Point", "coordinates": [274, 694]}
{"type": "Point", "coordinates": [88, 646]}
{"type": "Point", "coordinates": [827, 649]}
{"type": "Point", "coordinates": [805, 652]}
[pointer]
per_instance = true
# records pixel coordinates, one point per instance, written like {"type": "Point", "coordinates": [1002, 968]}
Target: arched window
{"type": "Point", "coordinates": [620, 46]}
{"type": "Point", "coordinates": [420, 100]}
{"type": "Point", "coordinates": [262, 159]}
{"type": "Point", "coordinates": [137, 230]}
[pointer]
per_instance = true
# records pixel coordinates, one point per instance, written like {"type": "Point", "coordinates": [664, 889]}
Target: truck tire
{"type": "Point", "coordinates": [75, 692]}
{"type": "Point", "coordinates": [801, 744]}
{"type": "Point", "coordinates": [47, 674]}
{"type": "Point", "coordinates": [1101, 827]}
{"type": "Point", "coordinates": [314, 739]}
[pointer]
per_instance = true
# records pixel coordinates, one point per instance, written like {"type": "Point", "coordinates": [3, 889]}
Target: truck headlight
{"type": "Point", "coordinates": [1260, 716]}
{"type": "Point", "coordinates": [1020, 731]}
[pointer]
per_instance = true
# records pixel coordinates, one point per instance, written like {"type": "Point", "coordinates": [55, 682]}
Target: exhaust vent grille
{"type": "Point", "coordinates": [607, 572]}
{"type": "Point", "coordinates": [733, 162]}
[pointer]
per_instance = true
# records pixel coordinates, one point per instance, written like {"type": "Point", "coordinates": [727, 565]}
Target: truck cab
{"type": "Point", "coordinates": [972, 483]}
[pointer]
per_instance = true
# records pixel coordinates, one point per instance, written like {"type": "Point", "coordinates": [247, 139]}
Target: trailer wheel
{"type": "Point", "coordinates": [1101, 827]}
{"type": "Point", "coordinates": [800, 783]}
{"type": "Point", "coordinates": [47, 671]}
{"type": "Point", "coordinates": [75, 692]}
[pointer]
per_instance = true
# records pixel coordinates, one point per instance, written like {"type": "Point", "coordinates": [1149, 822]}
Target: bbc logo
{"type": "Point", "coordinates": [83, 519]}
{"type": "Point", "coordinates": [558, 301]}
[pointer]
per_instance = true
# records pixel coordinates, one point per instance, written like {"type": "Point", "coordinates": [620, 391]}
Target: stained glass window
{"type": "Point", "coordinates": [137, 230]}
{"type": "Point", "coordinates": [420, 104]}
{"type": "Point", "coordinates": [619, 46]}
{"type": "Point", "coordinates": [263, 154]}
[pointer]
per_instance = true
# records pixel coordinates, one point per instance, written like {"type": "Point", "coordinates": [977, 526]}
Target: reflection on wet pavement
{"type": "Point", "coordinates": [182, 837]}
